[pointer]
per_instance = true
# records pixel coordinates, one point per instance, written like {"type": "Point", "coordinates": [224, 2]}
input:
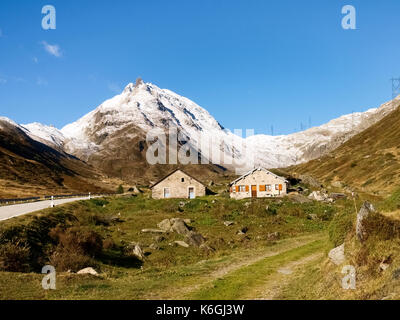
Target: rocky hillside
{"type": "Point", "coordinates": [29, 167]}
{"type": "Point", "coordinates": [369, 162]}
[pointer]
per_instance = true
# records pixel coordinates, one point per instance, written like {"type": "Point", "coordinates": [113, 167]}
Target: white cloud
{"type": "Point", "coordinates": [41, 81]}
{"type": "Point", "coordinates": [35, 60]}
{"type": "Point", "coordinates": [53, 49]}
{"type": "Point", "coordinates": [3, 81]}
{"type": "Point", "coordinates": [115, 88]}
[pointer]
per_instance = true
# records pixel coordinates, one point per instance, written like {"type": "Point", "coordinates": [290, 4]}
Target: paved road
{"type": "Point", "coordinates": [8, 212]}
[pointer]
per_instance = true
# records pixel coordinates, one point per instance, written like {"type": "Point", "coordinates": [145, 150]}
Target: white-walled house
{"type": "Point", "coordinates": [258, 183]}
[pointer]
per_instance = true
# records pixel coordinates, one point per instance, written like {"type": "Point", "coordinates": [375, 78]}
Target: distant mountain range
{"type": "Point", "coordinates": [112, 138]}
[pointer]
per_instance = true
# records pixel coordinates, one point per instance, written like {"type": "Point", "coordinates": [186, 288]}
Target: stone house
{"type": "Point", "coordinates": [178, 184]}
{"type": "Point", "coordinates": [258, 183]}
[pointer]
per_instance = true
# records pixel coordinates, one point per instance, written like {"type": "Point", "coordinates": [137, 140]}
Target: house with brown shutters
{"type": "Point", "coordinates": [178, 184]}
{"type": "Point", "coordinates": [258, 183]}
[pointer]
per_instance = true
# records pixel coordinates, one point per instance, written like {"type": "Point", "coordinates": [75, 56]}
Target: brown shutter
{"type": "Point", "coordinates": [247, 188]}
{"type": "Point", "coordinates": [280, 187]}
{"type": "Point", "coordinates": [262, 188]}
{"type": "Point", "coordinates": [237, 188]}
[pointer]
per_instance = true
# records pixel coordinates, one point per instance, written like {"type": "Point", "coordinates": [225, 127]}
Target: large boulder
{"type": "Point", "coordinates": [337, 255]}
{"type": "Point", "coordinates": [310, 180]}
{"type": "Point", "coordinates": [299, 198]}
{"type": "Point", "coordinates": [318, 196]}
{"type": "Point", "coordinates": [179, 226]}
{"type": "Point", "coordinates": [366, 209]}
{"type": "Point", "coordinates": [165, 225]}
{"type": "Point", "coordinates": [135, 249]}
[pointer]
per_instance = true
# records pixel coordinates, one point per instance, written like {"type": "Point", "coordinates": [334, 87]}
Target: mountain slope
{"type": "Point", "coordinates": [144, 106]}
{"type": "Point", "coordinates": [370, 161]}
{"type": "Point", "coordinates": [29, 167]}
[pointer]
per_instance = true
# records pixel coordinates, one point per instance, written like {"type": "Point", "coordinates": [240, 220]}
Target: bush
{"type": "Point", "coordinates": [78, 238]}
{"type": "Point", "coordinates": [69, 258]}
{"type": "Point", "coordinates": [76, 248]}
{"type": "Point", "coordinates": [120, 189]}
{"type": "Point", "coordinates": [14, 257]}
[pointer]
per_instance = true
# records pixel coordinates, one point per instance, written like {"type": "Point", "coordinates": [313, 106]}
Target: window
{"type": "Point", "coordinates": [242, 188]}
{"type": "Point", "coordinates": [268, 187]}
{"type": "Point", "coordinates": [277, 187]}
{"type": "Point", "coordinates": [166, 193]}
{"type": "Point", "coordinates": [183, 180]}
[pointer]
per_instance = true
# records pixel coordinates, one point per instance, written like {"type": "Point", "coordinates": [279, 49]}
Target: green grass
{"type": "Point", "coordinates": [239, 283]}
{"type": "Point", "coordinates": [170, 267]}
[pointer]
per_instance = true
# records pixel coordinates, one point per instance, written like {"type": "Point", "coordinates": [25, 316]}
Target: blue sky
{"type": "Point", "coordinates": [251, 64]}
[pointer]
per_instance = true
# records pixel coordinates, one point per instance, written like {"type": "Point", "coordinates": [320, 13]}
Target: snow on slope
{"type": "Point", "coordinates": [147, 107]}
{"type": "Point", "coordinates": [49, 134]}
{"type": "Point", "coordinates": [286, 150]}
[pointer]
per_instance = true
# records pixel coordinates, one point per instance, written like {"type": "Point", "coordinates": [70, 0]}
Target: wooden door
{"type": "Point", "coordinates": [254, 191]}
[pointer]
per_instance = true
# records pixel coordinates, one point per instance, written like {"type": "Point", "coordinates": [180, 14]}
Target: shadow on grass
{"type": "Point", "coordinates": [116, 258]}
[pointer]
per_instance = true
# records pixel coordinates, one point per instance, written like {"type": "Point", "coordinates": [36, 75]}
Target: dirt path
{"type": "Point", "coordinates": [283, 276]}
{"type": "Point", "coordinates": [238, 270]}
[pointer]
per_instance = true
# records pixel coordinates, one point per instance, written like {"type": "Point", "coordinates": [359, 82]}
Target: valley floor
{"type": "Point", "coordinates": [254, 274]}
{"type": "Point", "coordinates": [270, 249]}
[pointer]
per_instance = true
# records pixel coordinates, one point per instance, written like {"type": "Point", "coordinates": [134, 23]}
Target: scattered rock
{"type": "Point", "coordinates": [165, 225]}
{"type": "Point", "coordinates": [247, 204]}
{"type": "Point", "coordinates": [337, 196]}
{"type": "Point", "coordinates": [385, 263]}
{"type": "Point", "coordinates": [88, 270]}
{"type": "Point", "coordinates": [211, 183]}
{"type": "Point", "coordinates": [182, 204]}
{"type": "Point", "coordinates": [299, 198]}
{"type": "Point", "coordinates": [179, 226]}
{"type": "Point", "coordinates": [195, 239]}
{"type": "Point", "coordinates": [337, 184]}
{"type": "Point", "coordinates": [310, 180]}
{"type": "Point", "coordinates": [273, 236]}
{"type": "Point", "coordinates": [366, 209]}
{"type": "Point", "coordinates": [154, 246]}
{"type": "Point", "coordinates": [383, 266]}
{"type": "Point", "coordinates": [228, 223]}
{"type": "Point", "coordinates": [134, 189]}
{"type": "Point", "coordinates": [318, 196]}
{"type": "Point", "coordinates": [152, 231]}
{"type": "Point", "coordinates": [337, 255]}
{"type": "Point", "coordinates": [312, 216]}
{"type": "Point", "coordinates": [159, 239]}
{"type": "Point", "coordinates": [182, 244]}
{"type": "Point", "coordinates": [138, 252]}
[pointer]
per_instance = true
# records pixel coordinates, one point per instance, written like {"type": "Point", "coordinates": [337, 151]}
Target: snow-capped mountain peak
{"type": "Point", "coordinates": [144, 106]}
